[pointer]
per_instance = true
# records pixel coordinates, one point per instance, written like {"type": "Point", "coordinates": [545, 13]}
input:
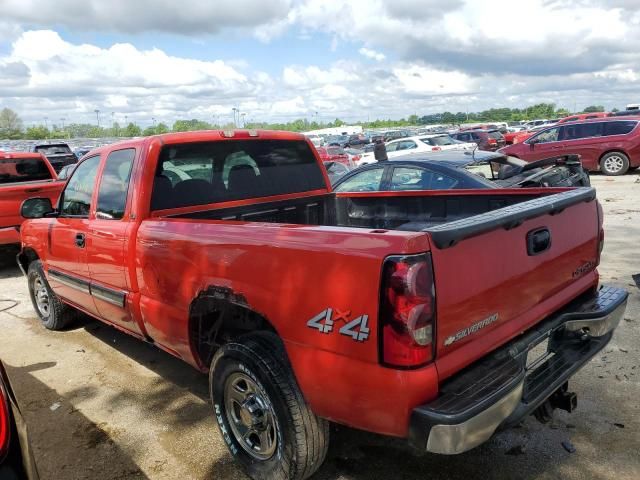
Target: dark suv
{"type": "Point", "coordinates": [58, 154]}
{"type": "Point", "coordinates": [489, 140]}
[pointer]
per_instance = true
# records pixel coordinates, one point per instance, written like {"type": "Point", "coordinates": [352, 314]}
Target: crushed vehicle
{"type": "Point", "coordinates": [58, 154]}
{"type": "Point", "coordinates": [462, 170]}
{"type": "Point", "coordinates": [22, 175]}
{"type": "Point", "coordinates": [292, 296]}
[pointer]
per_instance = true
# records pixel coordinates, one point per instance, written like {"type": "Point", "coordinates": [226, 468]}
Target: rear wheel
{"type": "Point", "coordinates": [614, 163]}
{"type": "Point", "coordinates": [54, 314]}
{"type": "Point", "coordinates": [262, 416]}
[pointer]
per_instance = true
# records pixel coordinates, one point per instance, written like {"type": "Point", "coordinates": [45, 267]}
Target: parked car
{"type": "Point", "coordinates": [16, 453]}
{"type": "Point", "coordinates": [335, 170]}
{"type": "Point", "coordinates": [584, 116]}
{"type": "Point", "coordinates": [463, 170]}
{"type": "Point", "coordinates": [58, 154]}
{"type": "Point", "coordinates": [304, 305]}
{"type": "Point", "coordinates": [610, 145]}
{"type": "Point", "coordinates": [625, 113]}
{"type": "Point", "coordinates": [358, 140]}
{"type": "Point", "coordinates": [334, 154]}
{"type": "Point", "coordinates": [425, 143]}
{"type": "Point", "coordinates": [489, 140]}
{"type": "Point", "coordinates": [81, 152]}
{"type": "Point", "coordinates": [22, 175]}
{"type": "Point", "coordinates": [337, 141]}
{"type": "Point", "coordinates": [66, 171]}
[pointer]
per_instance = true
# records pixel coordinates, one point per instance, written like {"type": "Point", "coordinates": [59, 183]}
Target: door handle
{"type": "Point", "coordinates": [80, 238]}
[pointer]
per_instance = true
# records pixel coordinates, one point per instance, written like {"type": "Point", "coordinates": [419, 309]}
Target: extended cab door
{"type": "Point", "coordinates": [109, 230]}
{"type": "Point", "coordinates": [67, 269]}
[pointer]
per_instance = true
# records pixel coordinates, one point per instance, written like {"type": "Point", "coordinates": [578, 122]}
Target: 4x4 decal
{"type": "Point", "coordinates": [357, 328]}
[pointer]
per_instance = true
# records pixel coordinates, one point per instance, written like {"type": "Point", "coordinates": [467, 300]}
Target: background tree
{"type": "Point", "coordinates": [593, 108]}
{"type": "Point", "coordinates": [10, 124]}
{"type": "Point", "coordinates": [37, 132]}
{"type": "Point", "coordinates": [132, 130]}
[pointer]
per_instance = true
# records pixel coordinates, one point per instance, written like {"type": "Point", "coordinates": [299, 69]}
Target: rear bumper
{"type": "Point", "coordinates": [9, 235]}
{"type": "Point", "coordinates": [502, 388]}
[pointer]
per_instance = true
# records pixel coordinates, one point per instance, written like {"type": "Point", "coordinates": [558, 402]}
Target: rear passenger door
{"type": "Point", "coordinates": [110, 232]}
{"type": "Point", "coordinates": [584, 139]}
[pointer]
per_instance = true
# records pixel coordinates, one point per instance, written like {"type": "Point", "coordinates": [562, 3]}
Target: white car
{"type": "Point", "coordinates": [425, 143]}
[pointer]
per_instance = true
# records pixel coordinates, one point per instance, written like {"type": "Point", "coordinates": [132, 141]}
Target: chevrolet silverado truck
{"type": "Point", "coordinates": [434, 316]}
{"type": "Point", "coordinates": [22, 175]}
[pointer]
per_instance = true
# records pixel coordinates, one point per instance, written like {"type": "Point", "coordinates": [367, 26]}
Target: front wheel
{"type": "Point", "coordinates": [614, 164]}
{"type": "Point", "coordinates": [261, 413]}
{"type": "Point", "coordinates": [54, 314]}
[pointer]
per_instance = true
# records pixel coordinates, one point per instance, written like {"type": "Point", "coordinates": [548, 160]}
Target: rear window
{"type": "Point", "coordinates": [335, 151]}
{"type": "Point", "coordinates": [438, 141]}
{"type": "Point", "coordinates": [47, 150]}
{"type": "Point", "coordinates": [619, 128]}
{"type": "Point", "coordinates": [495, 135]}
{"type": "Point", "coordinates": [209, 172]}
{"type": "Point", "coordinates": [13, 170]}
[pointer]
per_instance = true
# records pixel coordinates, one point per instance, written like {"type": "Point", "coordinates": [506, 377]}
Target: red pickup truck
{"type": "Point", "coordinates": [392, 312]}
{"type": "Point", "coordinates": [22, 175]}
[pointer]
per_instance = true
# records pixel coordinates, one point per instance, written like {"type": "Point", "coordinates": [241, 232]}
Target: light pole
{"type": "Point", "coordinates": [113, 121]}
{"type": "Point", "coordinates": [46, 123]}
{"type": "Point", "coordinates": [97, 117]}
{"type": "Point", "coordinates": [243, 122]}
{"type": "Point", "coordinates": [235, 124]}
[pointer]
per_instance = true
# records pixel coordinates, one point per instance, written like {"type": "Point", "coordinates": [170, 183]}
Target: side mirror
{"type": "Point", "coordinates": [36, 208]}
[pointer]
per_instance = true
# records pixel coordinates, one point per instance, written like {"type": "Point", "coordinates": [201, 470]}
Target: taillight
{"type": "Point", "coordinates": [435, 149]}
{"type": "Point", "coordinates": [407, 311]}
{"type": "Point", "coordinates": [4, 423]}
{"type": "Point", "coordinates": [600, 231]}
{"type": "Point", "coordinates": [492, 141]}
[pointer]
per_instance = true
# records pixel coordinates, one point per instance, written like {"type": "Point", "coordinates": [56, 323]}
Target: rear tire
{"type": "Point", "coordinates": [52, 312]}
{"type": "Point", "coordinates": [261, 413]}
{"type": "Point", "coordinates": [614, 164]}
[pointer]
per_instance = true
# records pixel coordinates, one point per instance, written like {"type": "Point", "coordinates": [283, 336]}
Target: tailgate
{"type": "Point", "coordinates": [494, 272]}
{"type": "Point", "coordinates": [12, 195]}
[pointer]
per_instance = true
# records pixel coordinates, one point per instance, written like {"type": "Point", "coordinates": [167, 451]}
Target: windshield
{"type": "Point", "coordinates": [13, 170]}
{"type": "Point", "coordinates": [54, 150]}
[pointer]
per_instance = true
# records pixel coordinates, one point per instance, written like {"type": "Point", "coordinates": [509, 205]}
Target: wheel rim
{"type": "Point", "coordinates": [41, 295]}
{"type": "Point", "coordinates": [250, 416]}
{"type": "Point", "coordinates": [614, 164]}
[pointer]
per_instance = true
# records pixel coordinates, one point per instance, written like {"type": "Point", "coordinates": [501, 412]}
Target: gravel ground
{"type": "Point", "coordinates": [102, 405]}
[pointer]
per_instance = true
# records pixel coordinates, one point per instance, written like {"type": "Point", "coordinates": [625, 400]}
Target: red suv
{"type": "Point", "coordinates": [334, 154]}
{"type": "Point", "coordinates": [490, 140]}
{"type": "Point", "coordinates": [610, 145]}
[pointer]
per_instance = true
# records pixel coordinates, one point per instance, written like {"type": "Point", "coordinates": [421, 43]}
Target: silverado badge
{"type": "Point", "coordinates": [471, 329]}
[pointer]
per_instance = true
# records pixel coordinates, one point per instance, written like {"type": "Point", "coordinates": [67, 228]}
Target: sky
{"type": "Point", "coordinates": [280, 60]}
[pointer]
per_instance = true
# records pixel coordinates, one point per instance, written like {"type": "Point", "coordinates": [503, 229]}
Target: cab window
{"type": "Point", "coordinates": [75, 201]}
{"type": "Point", "coordinates": [114, 184]}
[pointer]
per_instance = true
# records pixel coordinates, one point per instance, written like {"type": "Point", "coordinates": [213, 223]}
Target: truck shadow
{"type": "Point", "coordinates": [59, 433]}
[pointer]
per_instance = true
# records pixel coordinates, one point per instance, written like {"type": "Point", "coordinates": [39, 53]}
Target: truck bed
{"type": "Point", "coordinates": [413, 211]}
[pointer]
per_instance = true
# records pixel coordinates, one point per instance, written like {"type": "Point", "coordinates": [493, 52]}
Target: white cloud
{"type": "Point", "coordinates": [185, 17]}
{"type": "Point", "coordinates": [372, 54]}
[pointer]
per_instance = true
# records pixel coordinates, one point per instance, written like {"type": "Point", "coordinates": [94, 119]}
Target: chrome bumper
{"type": "Point", "coordinates": [499, 390]}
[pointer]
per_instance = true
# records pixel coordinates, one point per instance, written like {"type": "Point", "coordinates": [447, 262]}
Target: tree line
{"type": "Point", "coordinates": [12, 127]}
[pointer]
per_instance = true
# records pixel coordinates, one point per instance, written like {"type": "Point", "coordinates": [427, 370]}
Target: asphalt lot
{"type": "Point", "coordinates": [102, 405]}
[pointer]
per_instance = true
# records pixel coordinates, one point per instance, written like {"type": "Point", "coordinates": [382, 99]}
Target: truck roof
{"type": "Point", "coordinates": [207, 136]}
{"type": "Point", "coordinates": [19, 154]}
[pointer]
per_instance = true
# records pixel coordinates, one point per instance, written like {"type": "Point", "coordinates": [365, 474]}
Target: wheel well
{"type": "Point", "coordinates": [217, 316]}
{"type": "Point", "coordinates": [25, 257]}
{"type": "Point", "coordinates": [614, 150]}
